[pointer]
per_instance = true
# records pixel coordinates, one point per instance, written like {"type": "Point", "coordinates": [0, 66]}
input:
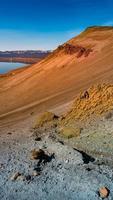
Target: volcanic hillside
{"type": "Point", "coordinates": [71, 68]}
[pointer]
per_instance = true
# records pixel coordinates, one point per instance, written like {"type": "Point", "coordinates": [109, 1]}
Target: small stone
{"type": "Point", "coordinates": [108, 115]}
{"type": "Point", "coordinates": [1, 165]}
{"type": "Point", "coordinates": [37, 154]}
{"type": "Point", "coordinates": [21, 178]}
{"type": "Point", "coordinates": [88, 169]}
{"type": "Point", "coordinates": [9, 133]}
{"type": "Point", "coordinates": [61, 142]}
{"type": "Point", "coordinates": [70, 132]}
{"type": "Point", "coordinates": [15, 176]}
{"type": "Point", "coordinates": [67, 161]}
{"type": "Point", "coordinates": [32, 113]}
{"type": "Point", "coordinates": [36, 173]}
{"type": "Point", "coordinates": [28, 178]}
{"type": "Point", "coordinates": [38, 139]}
{"type": "Point", "coordinates": [104, 192]}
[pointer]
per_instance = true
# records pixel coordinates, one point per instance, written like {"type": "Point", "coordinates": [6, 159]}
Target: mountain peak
{"type": "Point", "coordinates": [98, 28]}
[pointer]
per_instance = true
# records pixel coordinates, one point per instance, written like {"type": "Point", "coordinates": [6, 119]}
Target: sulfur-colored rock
{"type": "Point", "coordinates": [69, 132]}
{"type": "Point", "coordinates": [45, 118]}
{"type": "Point", "coordinates": [96, 101]}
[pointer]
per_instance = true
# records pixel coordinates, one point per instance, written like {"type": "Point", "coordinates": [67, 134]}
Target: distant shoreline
{"type": "Point", "coordinates": [27, 57]}
{"type": "Point", "coordinates": [20, 60]}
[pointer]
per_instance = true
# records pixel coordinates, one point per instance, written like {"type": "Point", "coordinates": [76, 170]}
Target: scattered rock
{"type": "Point", "coordinates": [70, 132]}
{"type": "Point", "coordinates": [52, 136]}
{"type": "Point", "coordinates": [61, 142]}
{"type": "Point", "coordinates": [41, 156]}
{"type": "Point", "coordinates": [15, 176]}
{"type": "Point", "coordinates": [21, 178]}
{"type": "Point", "coordinates": [88, 169]}
{"type": "Point", "coordinates": [9, 133]}
{"type": "Point", "coordinates": [36, 173]}
{"type": "Point", "coordinates": [1, 166]}
{"type": "Point", "coordinates": [38, 138]}
{"type": "Point", "coordinates": [28, 178]}
{"type": "Point", "coordinates": [104, 192]}
{"type": "Point", "coordinates": [67, 161]}
{"type": "Point", "coordinates": [108, 115]}
{"type": "Point", "coordinates": [85, 95]}
{"type": "Point", "coordinates": [37, 154]}
{"type": "Point", "coordinates": [31, 113]}
{"type": "Point", "coordinates": [46, 117]}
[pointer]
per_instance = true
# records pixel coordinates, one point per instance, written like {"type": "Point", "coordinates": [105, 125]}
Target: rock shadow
{"type": "Point", "coordinates": [86, 158]}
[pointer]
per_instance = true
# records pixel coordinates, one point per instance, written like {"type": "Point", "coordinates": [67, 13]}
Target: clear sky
{"type": "Point", "coordinates": [44, 24]}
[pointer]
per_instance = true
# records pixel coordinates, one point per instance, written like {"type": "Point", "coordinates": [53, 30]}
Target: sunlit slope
{"type": "Point", "coordinates": [74, 66]}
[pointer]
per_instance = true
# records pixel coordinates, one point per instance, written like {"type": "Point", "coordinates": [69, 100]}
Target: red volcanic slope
{"type": "Point", "coordinates": [73, 66]}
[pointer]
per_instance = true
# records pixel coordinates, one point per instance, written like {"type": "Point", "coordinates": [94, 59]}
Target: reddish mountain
{"type": "Point", "coordinates": [72, 67]}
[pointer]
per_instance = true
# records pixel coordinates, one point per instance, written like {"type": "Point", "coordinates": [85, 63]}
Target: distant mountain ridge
{"type": "Point", "coordinates": [26, 53]}
{"type": "Point", "coordinates": [27, 56]}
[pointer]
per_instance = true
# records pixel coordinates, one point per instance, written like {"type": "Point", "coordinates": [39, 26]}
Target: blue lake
{"type": "Point", "coordinates": [7, 66]}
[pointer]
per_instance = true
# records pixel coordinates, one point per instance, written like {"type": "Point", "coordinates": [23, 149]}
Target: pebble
{"type": "Point", "coordinates": [21, 178]}
{"type": "Point", "coordinates": [15, 176]}
{"type": "Point", "coordinates": [38, 139]}
{"type": "Point", "coordinates": [36, 173]}
{"type": "Point", "coordinates": [66, 161]}
{"type": "Point", "coordinates": [104, 192]}
{"type": "Point", "coordinates": [9, 133]}
{"type": "Point", "coordinates": [37, 154]}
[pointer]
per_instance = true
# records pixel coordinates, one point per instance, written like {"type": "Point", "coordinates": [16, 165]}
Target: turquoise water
{"type": "Point", "coordinates": [7, 66]}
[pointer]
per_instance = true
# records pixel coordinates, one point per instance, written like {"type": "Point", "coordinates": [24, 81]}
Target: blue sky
{"type": "Point", "coordinates": [44, 24]}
